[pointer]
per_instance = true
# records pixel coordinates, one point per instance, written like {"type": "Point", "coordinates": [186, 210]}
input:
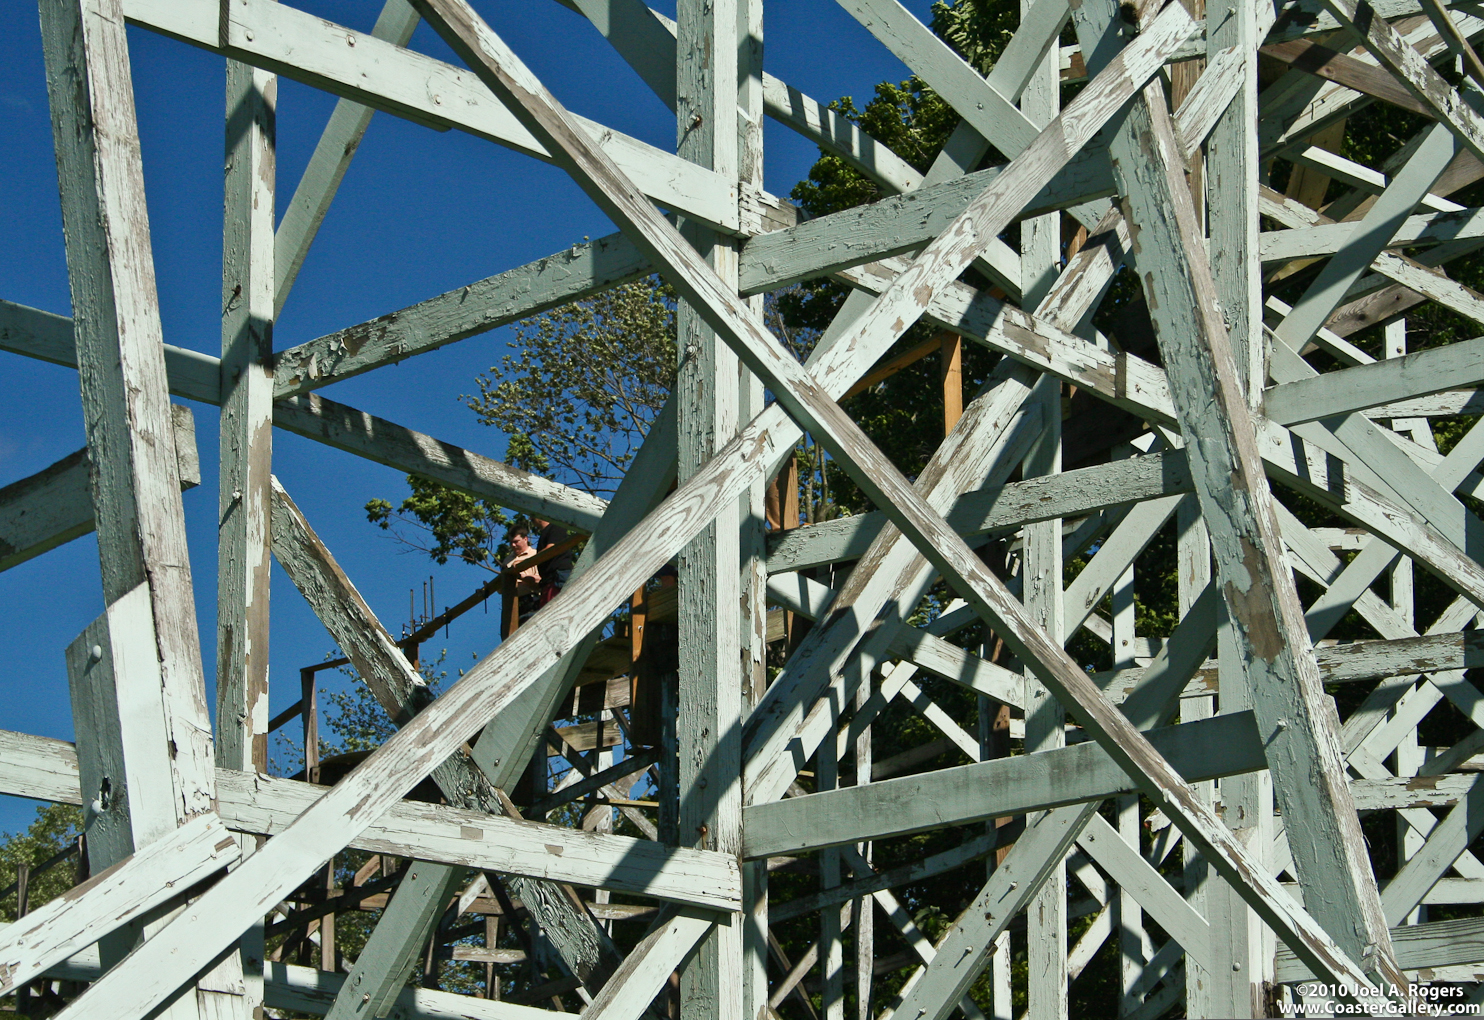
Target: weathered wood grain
{"type": "Point", "coordinates": [134, 471]}
{"type": "Point", "coordinates": [246, 438]}
{"type": "Point", "coordinates": [567, 275]}
{"type": "Point", "coordinates": [1365, 386]}
{"type": "Point", "coordinates": [158, 872]}
{"type": "Point", "coordinates": [404, 83]}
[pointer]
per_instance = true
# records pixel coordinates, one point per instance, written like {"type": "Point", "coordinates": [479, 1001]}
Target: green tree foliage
{"type": "Point", "coordinates": [443, 522]}
{"type": "Point", "coordinates": [583, 384]}
{"type": "Point", "coordinates": [55, 829]}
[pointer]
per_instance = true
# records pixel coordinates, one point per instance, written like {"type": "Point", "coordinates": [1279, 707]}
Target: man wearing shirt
{"type": "Point", "coordinates": [555, 571]}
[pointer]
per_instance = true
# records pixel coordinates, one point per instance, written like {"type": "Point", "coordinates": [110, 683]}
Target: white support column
{"type": "Point", "coordinates": [243, 546]}
{"type": "Point", "coordinates": [751, 512]}
{"type": "Point", "coordinates": [127, 418]}
{"type": "Point", "coordinates": [711, 681]}
{"type": "Point", "coordinates": [1045, 717]}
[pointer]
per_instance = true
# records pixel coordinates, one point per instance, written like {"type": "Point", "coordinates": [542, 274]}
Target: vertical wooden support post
{"type": "Point", "coordinates": [327, 923]}
{"type": "Point", "coordinates": [102, 770]}
{"type": "Point", "coordinates": [22, 907]}
{"type": "Point", "coordinates": [1409, 754]}
{"type": "Point", "coordinates": [709, 702]}
{"type": "Point", "coordinates": [243, 546]}
{"type": "Point", "coordinates": [831, 950]}
{"type": "Point", "coordinates": [952, 358]}
{"type": "Point", "coordinates": [865, 911]}
{"type": "Point", "coordinates": [1297, 725]}
{"type": "Point", "coordinates": [127, 419]}
{"type": "Point", "coordinates": [1040, 252]}
{"type": "Point", "coordinates": [309, 713]}
{"type": "Point", "coordinates": [752, 510]}
{"type": "Point", "coordinates": [1129, 915]}
{"type": "Point", "coordinates": [1232, 175]}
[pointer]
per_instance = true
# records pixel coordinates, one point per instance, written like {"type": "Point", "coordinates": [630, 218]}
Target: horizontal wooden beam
{"type": "Point", "coordinates": [1069, 494]}
{"type": "Point", "coordinates": [46, 769]}
{"type": "Point", "coordinates": [1348, 390]}
{"type": "Point", "coordinates": [1418, 947]}
{"type": "Point", "coordinates": [1209, 749]}
{"type": "Point", "coordinates": [568, 275]}
{"type": "Point", "coordinates": [408, 84]}
{"type": "Point", "coordinates": [1329, 238]}
{"type": "Point", "coordinates": [447, 835]}
{"type": "Point", "coordinates": [311, 990]}
{"type": "Point", "coordinates": [48, 337]}
{"type": "Point", "coordinates": [902, 223]}
{"type": "Point", "coordinates": [55, 505]}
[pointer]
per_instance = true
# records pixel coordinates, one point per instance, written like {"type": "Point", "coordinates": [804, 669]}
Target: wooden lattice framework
{"type": "Point", "coordinates": [1163, 159]}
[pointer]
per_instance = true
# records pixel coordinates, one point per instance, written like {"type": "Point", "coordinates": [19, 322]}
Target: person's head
{"type": "Point", "coordinates": [519, 537]}
{"type": "Point", "coordinates": [539, 524]}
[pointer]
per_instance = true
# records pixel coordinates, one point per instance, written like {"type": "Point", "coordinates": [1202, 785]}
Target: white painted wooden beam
{"type": "Point", "coordinates": [384, 76]}
{"type": "Point", "coordinates": [48, 337]}
{"type": "Point", "coordinates": [568, 275]}
{"type": "Point", "coordinates": [158, 872]}
{"type": "Point", "coordinates": [1392, 380]}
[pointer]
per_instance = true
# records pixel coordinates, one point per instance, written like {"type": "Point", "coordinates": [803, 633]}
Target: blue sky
{"type": "Point", "coordinates": [420, 212]}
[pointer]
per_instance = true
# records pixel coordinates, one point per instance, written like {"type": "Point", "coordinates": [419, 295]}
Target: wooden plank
{"type": "Point", "coordinates": [994, 116]}
{"type": "Point", "coordinates": [1122, 379]}
{"type": "Point", "coordinates": [1450, 838]}
{"type": "Point", "coordinates": [244, 559]}
{"type": "Point", "coordinates": [1363, 178]}
{"type": "Point", "coordinates": [157, 873]}
{"type": "Point", "coordinates": [40, 768]}
{"type": "Point", "coordinates": [568, 275]}
{"type": "Point", "coordinates": [1222, 746]}
{"type": "Point", "coordinates": [710, 684]}
{"type": "Point", "coordinates": [472, 839]}
{"type": "Point", "coordinates": [1126, 866]}
{"type": "Point", "coordinates": [1412, 70]}
{"type": "Point", "coordinates": [1368, 237]}
{"type": "Point", "coordinates": [136, 481]}
{"type": "Point", "coordinates": [197, 376]}
{"type": "Point", "coordinates": [46, 769]}
{"type": "Point", "coordinates": [838, 134]}
{"type": "Point", "coordinates": [1364, 386]}
{"type": "Point", "coordinates": [1418, 947]}
{"type": "Point", "coordinates": [404, 83]}
{"type": "Point", "coordinates": [397, 942]}
{"type": "Point", "coordinates": [54, 506]}
{"type": "Point", "coordinates": [1327, 239]}
{"type": "Point", "coordinates": [902, 223]}
{"type": "Point", "coordinates": [377, 439]}
{"type": "Point", "coordinates": [1042, 585]}
{"type": "Point", "coordinates": [960, 955]}
{"type": "Point", "coordinates": [1323, 62]}
{"type": "Point", "coordinates": [994, 508]}
{"type": "Point", "coordinates": [649, 965]}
